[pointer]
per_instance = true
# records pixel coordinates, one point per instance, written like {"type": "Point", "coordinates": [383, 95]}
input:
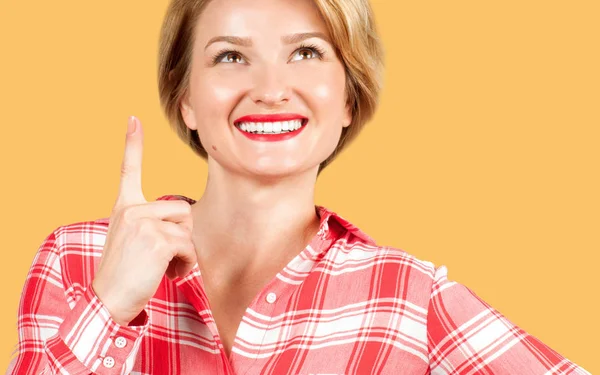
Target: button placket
{"type": "Point", "coordinates": [266, 309]}
{"type": "Point", "coordinates": [120, 342]}
{"type": "Point", "coordinates": [271, 297]}
{"type": "Point", "coordinates": [108, 362]}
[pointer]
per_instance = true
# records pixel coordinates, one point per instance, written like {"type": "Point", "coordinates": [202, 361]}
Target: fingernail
{"type": "Point", "coordinates": [131, 125]}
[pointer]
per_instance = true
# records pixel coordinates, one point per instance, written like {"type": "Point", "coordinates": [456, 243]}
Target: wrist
{"type": "Point", "coordinates": [115, 313]}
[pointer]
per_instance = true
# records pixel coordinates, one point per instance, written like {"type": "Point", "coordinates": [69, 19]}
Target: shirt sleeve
{"type": "Point", "coordinates": [467, 336]}
{"type": "Point", "coordinates": [56, 337]}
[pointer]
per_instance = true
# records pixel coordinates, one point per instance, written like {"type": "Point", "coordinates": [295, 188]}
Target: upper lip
{"type": "Point", "coordinates": [270, 117]}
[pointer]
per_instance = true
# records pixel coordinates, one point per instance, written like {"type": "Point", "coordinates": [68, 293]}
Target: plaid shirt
{"type": "Point", "coordinates": [342, 306]}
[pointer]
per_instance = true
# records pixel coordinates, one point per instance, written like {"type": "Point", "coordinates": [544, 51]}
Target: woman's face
{"type": "Point", "coordinates": [265, 57]}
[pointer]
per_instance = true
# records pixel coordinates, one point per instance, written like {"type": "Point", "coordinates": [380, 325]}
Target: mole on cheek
{"type": "Point", "coordinates": [214, 148]}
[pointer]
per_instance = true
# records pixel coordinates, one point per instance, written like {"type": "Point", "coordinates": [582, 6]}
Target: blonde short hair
{"type": "Point", "coordinates": [351, 26]}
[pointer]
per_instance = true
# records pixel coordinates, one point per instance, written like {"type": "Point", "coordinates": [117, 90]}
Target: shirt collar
{"type": "Point", "coordinates": [325, 214]}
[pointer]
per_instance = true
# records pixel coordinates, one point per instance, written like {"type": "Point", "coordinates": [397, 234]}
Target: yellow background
{"type": "Point", "coordinates": [483, 155]}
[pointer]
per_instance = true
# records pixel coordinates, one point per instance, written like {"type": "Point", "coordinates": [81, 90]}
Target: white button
{"type": "Point", "coordinates": [271, 297]}
{"type": "Point", "coordinates": [120, 342]}
{"type": "Point", "coordinates": [108, 362]}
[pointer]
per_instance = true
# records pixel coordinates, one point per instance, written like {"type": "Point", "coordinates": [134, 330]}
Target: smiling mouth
{"type": "Point", "coordinates": [271, 127]}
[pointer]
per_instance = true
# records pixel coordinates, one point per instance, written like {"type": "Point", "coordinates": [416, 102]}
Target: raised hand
{"type": "Point", "coordinates": [145, 240]}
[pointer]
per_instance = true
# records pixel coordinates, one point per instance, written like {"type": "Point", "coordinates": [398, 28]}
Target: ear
{"type": "Point", "coordinates": [187, 112]}
{"type": "Point", "coordinates": [347, 119]}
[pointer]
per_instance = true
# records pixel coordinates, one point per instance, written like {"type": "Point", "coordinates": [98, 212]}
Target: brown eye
{"type": "Point", "coordinates": [306, 53]}
{"type": "Point", "coordinates": [228, 56]}
{"type": "Point", "coordinates": [231, 57]}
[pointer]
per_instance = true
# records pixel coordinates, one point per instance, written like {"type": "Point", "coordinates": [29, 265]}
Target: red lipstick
{"type": "Point", "coordinates": [270, 117]}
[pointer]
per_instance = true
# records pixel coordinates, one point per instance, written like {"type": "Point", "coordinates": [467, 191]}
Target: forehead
{"type": "Point", "coordinates": [258, 18]}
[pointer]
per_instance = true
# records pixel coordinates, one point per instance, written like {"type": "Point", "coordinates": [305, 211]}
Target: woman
{"type": "Point", "coordinates": [253, 277]}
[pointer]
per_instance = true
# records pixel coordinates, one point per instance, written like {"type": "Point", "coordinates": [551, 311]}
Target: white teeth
{"type": "Point", "coordinates": [270, 127]}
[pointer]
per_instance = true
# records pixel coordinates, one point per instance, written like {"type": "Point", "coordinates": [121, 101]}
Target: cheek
{"type": "Point", "coordinates": [220, 89]}
{"type": "Point", "coordinates": [215, 93]}
{"type": "Point", "coordinates": [326, 90]}
{"type": "Point", "coordinates": [214, 100]}
{"type": "Point", "coordinates": [324, 86]}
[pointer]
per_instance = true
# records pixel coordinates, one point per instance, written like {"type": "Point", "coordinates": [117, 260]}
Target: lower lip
{"type": "Point", "coordinates": [272, 137]}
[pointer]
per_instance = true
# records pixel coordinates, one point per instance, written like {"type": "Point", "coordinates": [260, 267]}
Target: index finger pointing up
{"type": "Point", "coordinates": [130, 189]}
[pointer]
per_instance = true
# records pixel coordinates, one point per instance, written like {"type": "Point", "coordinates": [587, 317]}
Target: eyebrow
{"type": "Point", "coordinates": [286, 39]}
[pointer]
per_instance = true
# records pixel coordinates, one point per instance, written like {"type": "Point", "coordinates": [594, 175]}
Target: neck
{"type": "Point", "coordinates": [243, 225]}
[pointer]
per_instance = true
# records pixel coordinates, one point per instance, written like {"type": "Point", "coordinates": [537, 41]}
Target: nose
{"type": "Point", "coordinates": [270, 88]}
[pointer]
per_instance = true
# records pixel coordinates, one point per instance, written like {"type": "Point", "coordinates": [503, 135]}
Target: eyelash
{"type": "Point", "coordinates": [312, 47]}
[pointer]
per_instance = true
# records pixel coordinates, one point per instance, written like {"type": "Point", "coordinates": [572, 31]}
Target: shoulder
{"type": "Point", "coordinates": [390, 267]}
{"type": "Point", "coordinates": [67, 259]}
{"type": "Point", "coordinates": [353, 245]}
{"type": "Point", "coordinates": [385, 256]}
{"type": "Point", "coordinates": [82, 238]}
{"type": "Point", "coordinates": [78, 248]}
{"type": "Point", "coordinates": [406, 259]}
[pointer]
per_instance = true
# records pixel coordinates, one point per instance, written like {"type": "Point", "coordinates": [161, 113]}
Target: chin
{"type": "Point", "coordinates": [278, 170]}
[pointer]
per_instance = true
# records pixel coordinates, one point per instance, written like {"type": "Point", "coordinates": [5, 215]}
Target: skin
{"type": "Point", "coordinates": [257, 210]}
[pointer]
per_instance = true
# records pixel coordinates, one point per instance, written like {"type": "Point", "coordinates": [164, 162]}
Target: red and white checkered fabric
{"type": "Point", "coordinates": [344, 305]}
